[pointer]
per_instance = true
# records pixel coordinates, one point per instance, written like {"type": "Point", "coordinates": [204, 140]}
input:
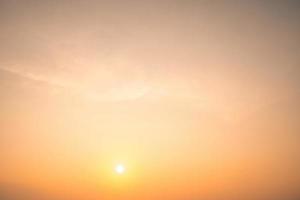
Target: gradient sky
{"type": "Point", "coordinates": [198, 100]}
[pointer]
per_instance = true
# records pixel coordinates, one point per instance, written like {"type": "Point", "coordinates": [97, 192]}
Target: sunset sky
{"type": "Point", "coordinates": [149, 100]}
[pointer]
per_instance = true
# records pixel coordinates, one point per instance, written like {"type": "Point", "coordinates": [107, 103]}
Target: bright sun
{"type": "Point", "coordinates": [120, 169]}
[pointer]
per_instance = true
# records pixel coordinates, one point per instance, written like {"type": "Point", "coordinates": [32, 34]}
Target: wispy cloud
{"type": "Point", "coordinates": [125, 92]}
{"type": "Point", "coordinates": [37, 77]}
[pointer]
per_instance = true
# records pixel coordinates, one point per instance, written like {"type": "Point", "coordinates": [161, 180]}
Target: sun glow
{"type": "Point", "coordinates": [120, 169]}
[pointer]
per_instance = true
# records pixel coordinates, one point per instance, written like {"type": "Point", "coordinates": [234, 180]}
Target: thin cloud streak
{"type": "Point", "coordinates": [123, 93]}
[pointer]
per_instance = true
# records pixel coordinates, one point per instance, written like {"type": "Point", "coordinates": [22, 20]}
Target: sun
{"type": "Point", "coordinates": [120, 169]}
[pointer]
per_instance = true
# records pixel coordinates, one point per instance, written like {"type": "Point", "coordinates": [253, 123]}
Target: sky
{"type": "Point", "coordinates": [195, 99]}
